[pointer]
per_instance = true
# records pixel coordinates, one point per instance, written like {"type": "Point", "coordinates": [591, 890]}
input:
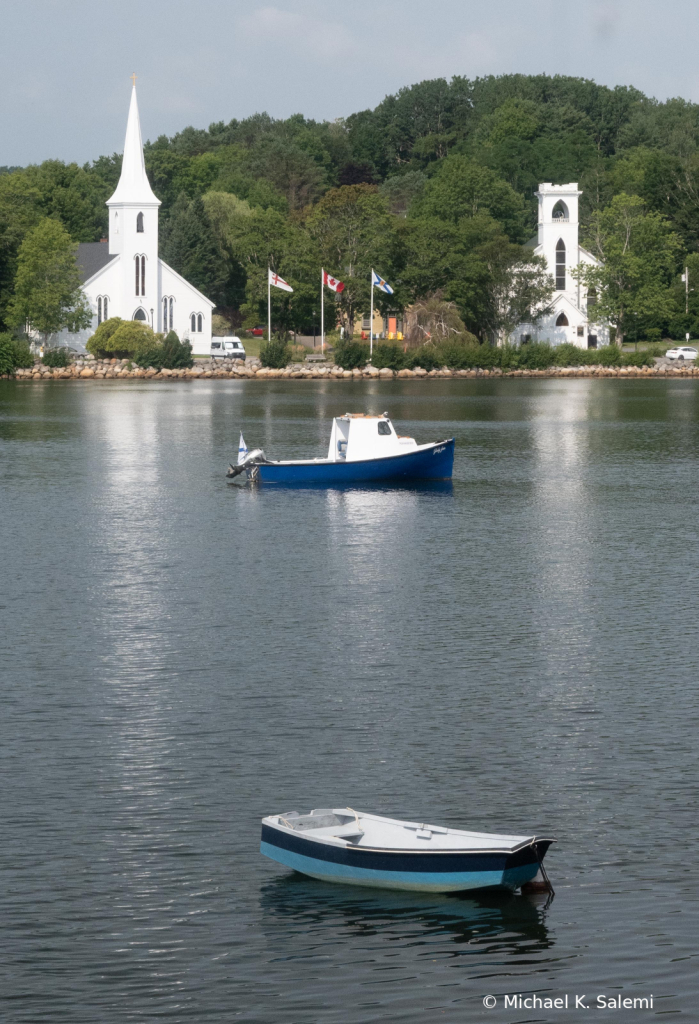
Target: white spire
{"type": "Point", "coordinates": [134, 187]}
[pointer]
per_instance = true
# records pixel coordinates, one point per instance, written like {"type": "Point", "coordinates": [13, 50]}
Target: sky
{"type": "Point", "coordinates": [66, 63]}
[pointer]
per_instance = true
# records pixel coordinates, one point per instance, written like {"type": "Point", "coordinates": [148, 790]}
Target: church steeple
{"type": "Point", "coordinates": [134, 187]}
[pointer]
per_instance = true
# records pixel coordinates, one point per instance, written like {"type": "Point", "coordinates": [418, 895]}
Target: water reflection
{"type": "Point", "coordinates": [293, 904]}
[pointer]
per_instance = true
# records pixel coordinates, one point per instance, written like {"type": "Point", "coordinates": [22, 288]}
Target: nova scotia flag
{"type": "Point", "coordinates": [378, 282]}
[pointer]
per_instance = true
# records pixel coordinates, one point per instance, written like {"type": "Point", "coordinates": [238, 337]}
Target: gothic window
{"type": "Point", "coordinates": [139, 224]}
{"type": "Point", "coordinates": [560, 211]}
{"type": "Point", "coordinates": [562, 320]}
{"type": "Point", "coordinates": [165, 315]}
{"type": "Point", "coordinates": [137, 265]}
{"type": "Point", "coordinates": [194, 323]}
{"type": "Point", "coordinates": [171, 302]}
{"type": "Point", "coordinates": [105, 309]}
{"type": "Point", "coordinates": [560, 265]}
{"type": "Point", "coordinates": [199, 324]}
{"type": "Point", "coordinates": [143, 275]}
{"type": "Point", "coordinates": [140, 314]}
{"type": "Point", "coordinates": [99, 309]}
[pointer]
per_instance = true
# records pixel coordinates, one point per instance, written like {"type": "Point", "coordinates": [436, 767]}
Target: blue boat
{"type": "Point", "coordinates": [343, 845]}
{"type": "Point", "coordinates": [363, 449]}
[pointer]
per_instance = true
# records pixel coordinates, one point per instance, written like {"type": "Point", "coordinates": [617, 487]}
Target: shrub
{"type": "Point", "coordinates": [99, 343]}
{"type": "Point", "coordinates": [57, 357]}
{"type": "Point", "coordinates": [351, 354]}
{"type": "Point", "coordinates": [169, 354]}
{"type": "Point", "coordinates": [391, 356]}
{"type": "Point", "coordinates": [275, 354]}
{"type": "Point", "coordinates": [637, 359]}
{"type": "Point", "coordinates": [14, 355]}
{"type": "Point", "coordinates": [120, 338]}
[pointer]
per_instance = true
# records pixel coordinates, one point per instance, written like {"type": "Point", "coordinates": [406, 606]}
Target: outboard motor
{"type": "Point", "coordinates": [251, 459]}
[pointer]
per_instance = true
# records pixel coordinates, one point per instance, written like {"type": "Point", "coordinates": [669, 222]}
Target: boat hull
{"type": "Point", "coordinates": [452, 871]}
{"type": "Point", "coordinates": [434, 462]}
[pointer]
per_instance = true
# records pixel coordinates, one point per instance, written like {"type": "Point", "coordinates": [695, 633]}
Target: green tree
{"type": "Point", "coordinates": [353, 231]}
{"type": "Point", "coordinates": [462, 188]}
{"type": "Point", "coordinates": [188, 244]}
{"type": "Point", "coordinates": [47, 292]}
{"type": "Point", "coordinates": [641, 256]}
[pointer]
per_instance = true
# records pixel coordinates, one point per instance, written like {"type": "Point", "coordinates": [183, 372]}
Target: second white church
{"type": "Point", "coordinates": [125, 277]}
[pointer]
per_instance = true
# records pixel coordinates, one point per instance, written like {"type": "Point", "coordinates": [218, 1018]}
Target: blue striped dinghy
{"type": "Point", "coordinates": [343, 845]}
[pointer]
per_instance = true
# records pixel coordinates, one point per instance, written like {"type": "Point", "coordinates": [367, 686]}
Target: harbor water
{"type": "Point", "coordinates": [180, 656]}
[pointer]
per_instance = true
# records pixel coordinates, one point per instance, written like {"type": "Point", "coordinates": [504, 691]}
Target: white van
{"type": "Point", "coordinates": [227, 348]}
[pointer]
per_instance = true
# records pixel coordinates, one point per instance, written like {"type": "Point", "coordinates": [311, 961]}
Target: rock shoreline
{"type": "Point", "coordinates": [119, 370]}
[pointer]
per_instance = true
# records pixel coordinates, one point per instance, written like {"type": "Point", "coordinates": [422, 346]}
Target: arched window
{"type": "Point", "coordinates": [99, 309]}
{"type": "Point", "coordinates": [171, 302]}
{"type": "Point", "coordinates": [560, 265]}
{"type": "Point", "coordinates": [562, 320]}
{"type": "Point", "coordinates": [139, 223]}
{"type": "Point", "coordinates": [143, 275]}
{"type": "Point", "coordinates": [140, 314]}
{"type": "Point", "coordinates": [193, 319]}
{"type": "Point", "coordinates": [560, 211]}
{"type": "Point", "coordinates": [105, 307]}
{"type": "Point", "coordinates": [137, 265]}
{"type": "Point", "coordinates": [199, 324]}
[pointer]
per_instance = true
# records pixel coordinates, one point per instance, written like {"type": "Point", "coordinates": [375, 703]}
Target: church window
{"type": "Point", "coordinates": [591, 301]}
{"type": "Point", "coordinates": [560, 211]}
{"type": "Point", "coordinates": [140, 262]}
{"type": "Point", "coordinates": [194, 323]}
{"type": "Point", "coordinates": [562, 320]}
{"type": "Point", "coordinates": [140, 314]}
{"type": "Point", "coordinates": [143, 275]}
{"type": "Point", "coordinates": [199, 322]}
{"type": "Point", "coordinates": [171, 302]}
{"type": "Point", "coordinates": [139, 224]}
{"type": "Point", "coordinates": [560, 265]}
{"type": "Point", "coordinates": [99, 309]}
{"type": "Point", "coordinates": [168, 310]}
{"type": "Point", "coordinates": [105, 310]}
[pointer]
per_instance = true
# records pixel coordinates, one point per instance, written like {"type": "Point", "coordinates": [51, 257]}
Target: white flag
{"type": "Point", "coordinates": [242, 449]}
{"type": "Point", "coordinates": [279, 282]}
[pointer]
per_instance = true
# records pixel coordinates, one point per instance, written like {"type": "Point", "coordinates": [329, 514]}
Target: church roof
{"type": "Point", "coordinates": [134, 187]}
{"type": "Point", "coordinates": [91, 257]}
{"type": "Point", "coordinates": [532, 242]}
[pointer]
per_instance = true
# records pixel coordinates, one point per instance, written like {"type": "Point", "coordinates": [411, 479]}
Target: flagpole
{"type": "Point", "coordinates": [322, 311]}
{"type": "Point", "coordinates": [371, 318]}
{"type": "Point", "coordinates": [269, 307]}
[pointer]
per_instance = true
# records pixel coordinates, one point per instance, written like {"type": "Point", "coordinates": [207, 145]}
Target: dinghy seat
{"type": "Point", "coordinates": [324, 823]}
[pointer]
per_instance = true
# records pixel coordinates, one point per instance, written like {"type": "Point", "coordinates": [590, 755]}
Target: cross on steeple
{"type": "Point", "coordinates": [133, 79]}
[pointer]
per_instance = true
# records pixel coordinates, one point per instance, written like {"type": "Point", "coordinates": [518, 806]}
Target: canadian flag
{"type": "Point", "coordinates": [332, 282]}
{"type": "Point", "coordinates": [279, 282]}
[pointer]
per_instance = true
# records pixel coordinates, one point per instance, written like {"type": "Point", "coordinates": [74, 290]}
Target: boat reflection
{"type": "Point", "coordinates": [516, 922]}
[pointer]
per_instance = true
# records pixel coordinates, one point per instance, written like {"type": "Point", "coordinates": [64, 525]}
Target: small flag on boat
{"type": "Point", "coordinates": [279, 282]}
{"type": "Point", "coordinates": [378, 282]}
{"type": "Point", "coordinates": [332, 282]}
{"type": "Point", "coordinates": [242, 449]}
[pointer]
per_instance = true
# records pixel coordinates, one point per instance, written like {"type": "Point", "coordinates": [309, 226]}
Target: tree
{"type": "Point", "coordinates": [641, 255]}
{"type": "Point", "coordinates": [462, 188]}
{"type": "Point", "coordinates": [502, 285]}
{"type": "Point", "coordinates": [188, 244]}
{"type": "Point", "coordinates": [47, 286]}
{"type": "Point", "coordinates": [354, 231]}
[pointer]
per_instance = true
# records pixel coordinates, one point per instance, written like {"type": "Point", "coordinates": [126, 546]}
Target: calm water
{"type": "Point", "coordinates": [181, 657]}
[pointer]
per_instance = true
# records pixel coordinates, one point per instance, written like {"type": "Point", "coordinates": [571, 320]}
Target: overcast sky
{"type": "Point", "coordinates": [66, 63]}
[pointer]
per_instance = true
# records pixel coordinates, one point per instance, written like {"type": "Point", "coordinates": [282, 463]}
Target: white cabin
{"type": "Point", "coordinates": [357, 436]}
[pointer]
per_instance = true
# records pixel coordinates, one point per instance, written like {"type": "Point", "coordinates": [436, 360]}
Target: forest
{"type": "Point", "coordinates": [434, 187]}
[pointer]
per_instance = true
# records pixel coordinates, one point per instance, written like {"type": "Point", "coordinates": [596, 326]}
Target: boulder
{"type": "Point", "coordinates": [406, 373]}
{"type": "Point", "coordinates": [386, 372]}
{"type": "Point", "coordinates": [87, 372]}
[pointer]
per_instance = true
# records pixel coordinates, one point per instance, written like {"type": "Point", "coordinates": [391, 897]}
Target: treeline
{"type": "Point", "coordinates": [434, 187]}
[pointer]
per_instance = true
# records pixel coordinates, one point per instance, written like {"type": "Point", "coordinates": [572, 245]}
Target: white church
{"type": "Point", "coordinates": [124, 276]}
{"type": "Point", "coordinates": [573, 306]}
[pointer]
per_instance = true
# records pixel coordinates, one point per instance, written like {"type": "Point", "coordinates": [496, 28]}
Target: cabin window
{"type": "Point", "coordinates": [384, 427]}
{"type": "Point", "coordinates": [139, 224]}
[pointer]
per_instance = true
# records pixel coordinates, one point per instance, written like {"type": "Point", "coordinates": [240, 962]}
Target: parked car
{"type": "Point", "coordinates": [257, 332]}
{"type": "Point", "coordinates": [682, 352]}
{"type": "Point", "coordinates": [227, 348]}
